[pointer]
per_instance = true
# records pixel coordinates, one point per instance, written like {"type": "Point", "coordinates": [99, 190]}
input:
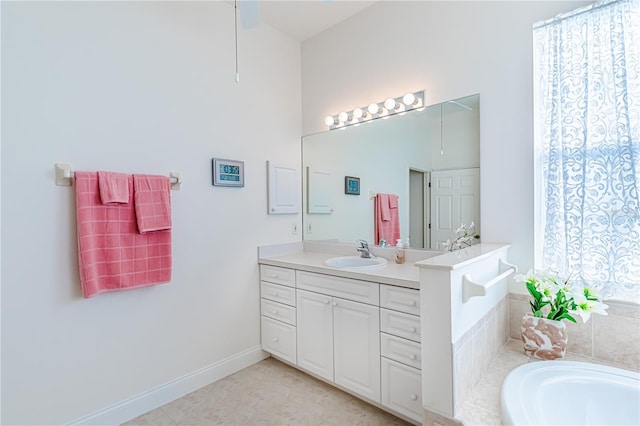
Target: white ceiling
{"type": "Point", "coordinates": [302, 19]}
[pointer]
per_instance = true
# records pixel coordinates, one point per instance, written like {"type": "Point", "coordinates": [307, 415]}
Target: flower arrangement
{"type": "Point", "coordinates": [466, 235]}
{"type": "Point", "coordinates": [557, 299]}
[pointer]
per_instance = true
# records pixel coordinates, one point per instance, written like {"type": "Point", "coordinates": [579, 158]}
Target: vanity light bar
{"type": "Point", "coordinates": [383, 109]}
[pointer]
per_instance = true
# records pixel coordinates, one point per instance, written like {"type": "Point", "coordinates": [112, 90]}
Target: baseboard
{"type": "Point", "coordinates": [153, 398]}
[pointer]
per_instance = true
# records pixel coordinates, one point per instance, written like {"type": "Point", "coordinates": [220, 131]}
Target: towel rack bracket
{"type": "Point", "coordinates": [63, 174]}
{"type": "Point", "coordinates": [178, 180]}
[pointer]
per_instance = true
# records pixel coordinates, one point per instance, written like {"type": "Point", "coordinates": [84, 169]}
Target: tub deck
{"type": "Point", "coordinates": [482, 407]}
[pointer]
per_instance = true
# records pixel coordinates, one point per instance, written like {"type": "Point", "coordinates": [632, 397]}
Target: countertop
{"type": "Point", "coordinates": [403, 275]}
{"type": "Point", "coordinates": [311, 256]}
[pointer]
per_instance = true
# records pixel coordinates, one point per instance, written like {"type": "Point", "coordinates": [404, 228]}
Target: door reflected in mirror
{"type": "Point", "coordinates": [429, 158]}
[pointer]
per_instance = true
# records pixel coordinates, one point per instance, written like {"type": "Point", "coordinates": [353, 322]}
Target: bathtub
{"type": "Point", "coordinates": [570, 393]}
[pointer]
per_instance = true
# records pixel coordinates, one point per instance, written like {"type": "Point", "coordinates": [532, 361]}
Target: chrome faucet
{"type": "Point", "coordinates": [364, 250]}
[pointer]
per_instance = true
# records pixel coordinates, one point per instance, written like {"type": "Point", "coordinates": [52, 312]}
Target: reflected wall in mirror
{"type": "Point", "coordinates": [429, 158]}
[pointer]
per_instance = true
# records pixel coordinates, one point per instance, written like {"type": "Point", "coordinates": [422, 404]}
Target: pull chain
{"type": "Point", "coordinates": [235, 25]}
{"type": "Point", "coordinates": [441, 144]}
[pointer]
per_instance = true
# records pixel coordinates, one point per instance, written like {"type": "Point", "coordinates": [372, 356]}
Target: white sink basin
{"type": "Point", "coordinates": [356, 262]}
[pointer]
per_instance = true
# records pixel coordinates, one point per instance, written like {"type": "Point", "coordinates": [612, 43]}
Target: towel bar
{"type": "Point", "coordinates": [373, 195]}
{"type": "Point", "coordinates": [471, 288]}
{"type": "Point", "coordinates": [64, 176]}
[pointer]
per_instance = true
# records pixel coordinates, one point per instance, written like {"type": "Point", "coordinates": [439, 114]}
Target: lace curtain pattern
{"type": "Point", "coordinates": [587, 100]}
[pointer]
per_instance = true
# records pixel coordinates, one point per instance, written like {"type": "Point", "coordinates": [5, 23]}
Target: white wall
{"type": "Point", "coordinates": [450, 49]}
{"type": "Point", "coordinates": [143, 87]}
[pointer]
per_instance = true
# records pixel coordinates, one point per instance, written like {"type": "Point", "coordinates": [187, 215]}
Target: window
{"type": "Point", "coordinates": [587, 138]}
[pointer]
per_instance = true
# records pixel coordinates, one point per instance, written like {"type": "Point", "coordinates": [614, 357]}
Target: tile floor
{"type": "Point", "coordinates": [267, 393]}
{"type": "Point", "coordinates": [273, 393]}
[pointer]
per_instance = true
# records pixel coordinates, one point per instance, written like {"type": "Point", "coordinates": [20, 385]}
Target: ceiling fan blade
{"type": "Point", "coordinates": [249, 13]}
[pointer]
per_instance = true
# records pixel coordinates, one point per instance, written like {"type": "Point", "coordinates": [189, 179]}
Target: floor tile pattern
{"type": "Point", "coordinates": [267, 393]}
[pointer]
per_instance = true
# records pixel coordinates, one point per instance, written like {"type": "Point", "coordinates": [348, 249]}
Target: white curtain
{"type": "Point", "coordinates": [587, 71]}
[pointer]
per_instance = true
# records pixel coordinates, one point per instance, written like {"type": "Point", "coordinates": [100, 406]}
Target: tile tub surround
{"type": "Point", "coordinates": [475, 352]}
{"type": "Point", "coordinates": [612, 339]}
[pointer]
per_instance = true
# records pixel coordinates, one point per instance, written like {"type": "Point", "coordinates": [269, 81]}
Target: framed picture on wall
{"type": "Point", "coordinates": [227, 172]}
{"type": "Point", "coordinates": [351, 185]}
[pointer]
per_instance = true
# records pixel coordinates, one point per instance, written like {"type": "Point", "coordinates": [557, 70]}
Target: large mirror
{"type": "Point", "coordinates": [426, 161]}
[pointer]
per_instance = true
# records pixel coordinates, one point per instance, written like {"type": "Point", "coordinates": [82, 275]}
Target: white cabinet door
{"type": "Point", "coordinates": [315, 333]}
{"type": "Point", "coordinates": [319, 192]}
{"type": "Point", "coordinates": [356, 335]}
{"type": "Point", "coordinates": [278, 339]}
{"type": "Point", "coordinates": [283, 189]}
{"type": "Point", "coordinates": [402, 389]}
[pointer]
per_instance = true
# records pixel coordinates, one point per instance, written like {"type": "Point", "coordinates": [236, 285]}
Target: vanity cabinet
{"type": "Point", "coordinates": [361, 335]}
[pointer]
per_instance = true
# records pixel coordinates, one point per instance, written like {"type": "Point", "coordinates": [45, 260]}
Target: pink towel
{"type": "Point", "coordinates": [393, 201]}
{"type": "Point", "coordinates": [153, 202]}
{"type": "Point", "coordinates": [387, 229]}
{"type": "Point", "coordinates": [383, 201]}
{"type": "Point", "coordinates": [114, 187]}
{"type": "Point", "coordinates": [112, 255]}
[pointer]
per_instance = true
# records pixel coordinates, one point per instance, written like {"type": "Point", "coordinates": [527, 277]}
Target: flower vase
{"type": "Point", "coordinates": [544, 338]}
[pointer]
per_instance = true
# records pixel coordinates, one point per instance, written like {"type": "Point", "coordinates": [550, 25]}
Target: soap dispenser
{"type": "Point", "coordinates": [399, 251]}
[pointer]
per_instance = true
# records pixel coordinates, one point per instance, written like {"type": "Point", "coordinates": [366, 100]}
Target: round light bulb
{"type": "Point", "coordinates": [409, 99]}
{"type": "Point", "coordinates": [373, 108]}
{"type": "Point", "coordinates": [329, 121]}
{"type": "Point", "coordinates": [357, 113]}
{"type": "Point", "coordinates": [390, 104]}
{"type": "Point", "coordinates": [343, 117]}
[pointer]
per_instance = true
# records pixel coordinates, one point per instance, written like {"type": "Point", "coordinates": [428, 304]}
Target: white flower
{"type": "Point", "coordinates": [523, 278]}
{"type": "Point", "coordinates": [586, 307]}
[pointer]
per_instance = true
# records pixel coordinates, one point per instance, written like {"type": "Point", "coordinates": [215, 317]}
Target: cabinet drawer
{"type": "Point", "coordinates": [278, 311]}
{"type": "Point", "coordinates": [278, 293]}
{"type": "Point", "coordinates": [401, 350]}
{"type": "Point", "coordinates": [400, 299]}
{"type": "Point", "coordinates": [279, 339]}
{"type": "Point", "coordinates": [278, 275]}
{"type": "Point", "coordinates": [399, 324]}
{"type": "Point", "coordinates": [402, 389]}
{"type": "Point", "coordinates": [356, 290]}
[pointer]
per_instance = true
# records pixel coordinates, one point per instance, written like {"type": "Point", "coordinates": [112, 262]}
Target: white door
{"type": "Point", "coordinates": [455, 199]}
{"type": "Point", "coordinates": [315, 333]}
{"type": "Point", "coordinates": [356, 331]}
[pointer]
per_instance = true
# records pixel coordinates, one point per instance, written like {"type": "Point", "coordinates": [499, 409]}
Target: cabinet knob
{"type": "Point", "coordinates": [335, 303]}
{"type": "Point", "coordinates": [413, 396]}
{"type": "Point", "coordinates": [274, 312]}
{"type": "Point", "coordinates": [275, 339]}
{"type": "Point", "coordinates": [413, 356]}
{"type": "Point", "coordinates": [326, 302]}
{"type": "Point", "coordinates": [412, 329]}
{"type": "Point", "coordinates": [412, 303]}
{"type": "Point", "coordinates": [274, 293]}
{"type": "Point", "coordinates": [273, 275]}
